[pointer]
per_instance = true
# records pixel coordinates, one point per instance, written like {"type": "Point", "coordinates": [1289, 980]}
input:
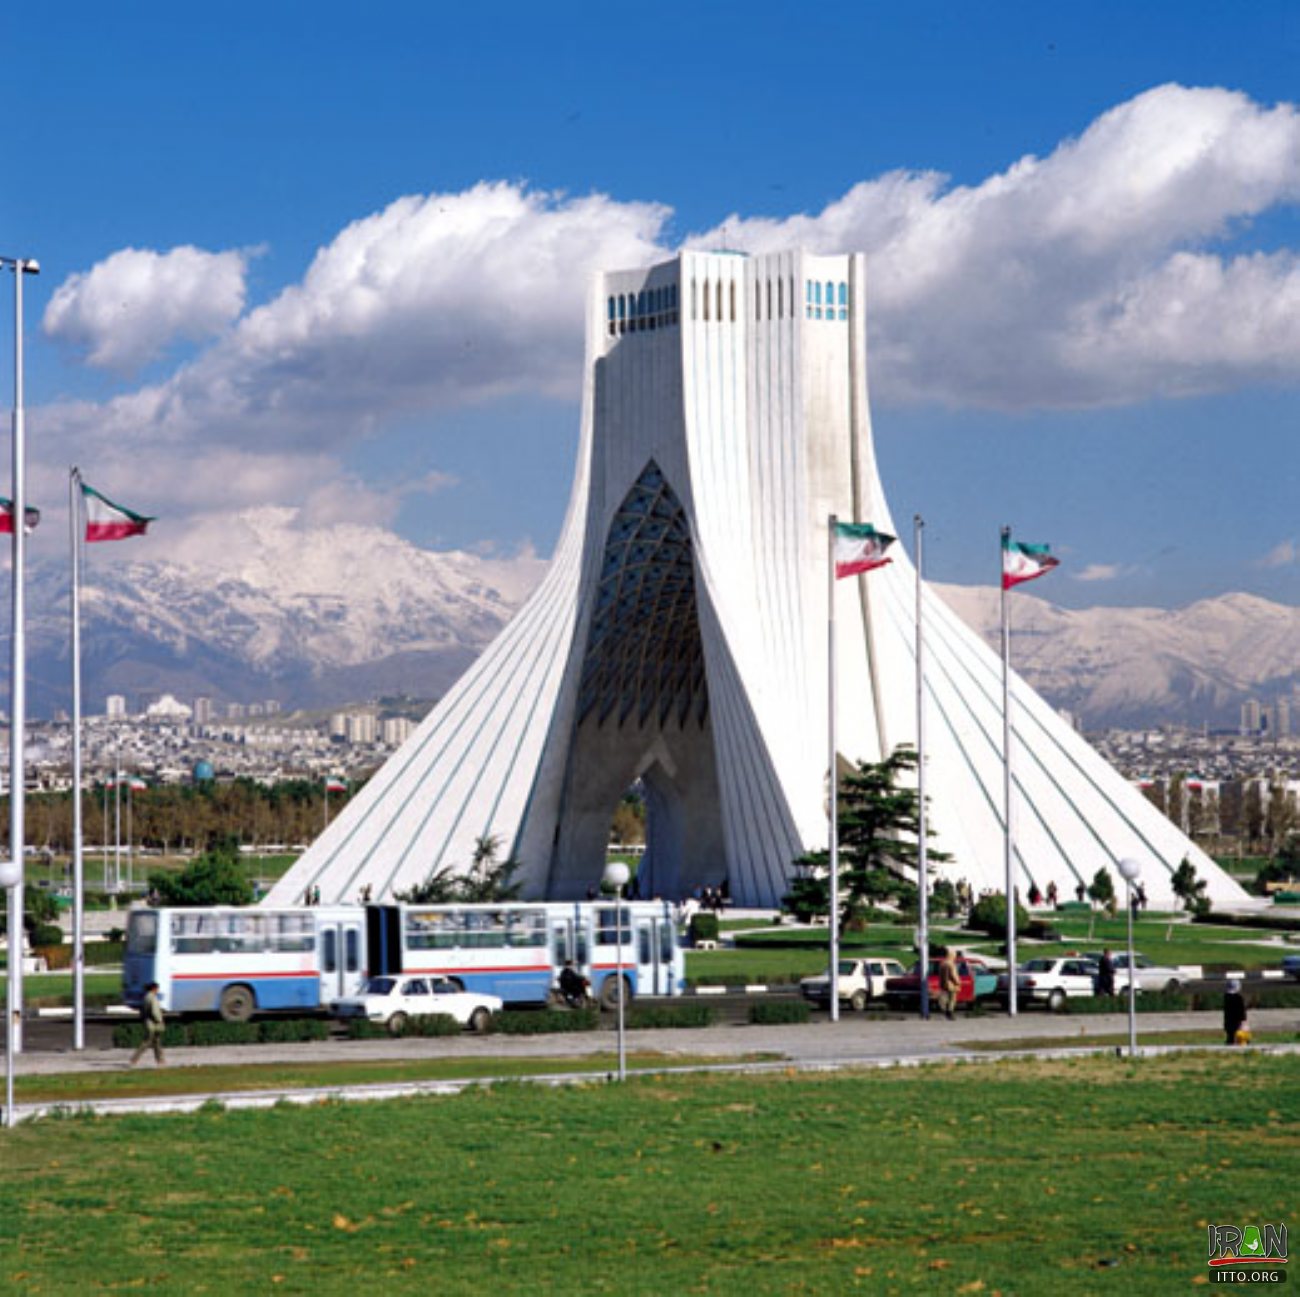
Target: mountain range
{"type": "Point", "coordinates": [318, 617]}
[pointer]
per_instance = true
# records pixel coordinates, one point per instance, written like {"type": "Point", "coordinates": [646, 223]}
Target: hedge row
{"type": "Point", "coordinates": [1254, 919]}
{"type": "Point", "coordinates": [422, 1024]}
{"type": "Point", "coordinates": [687, 1014]}
{"type": "Point", "coordinates": [128, 1035]}
{"type": "Point", "coordinates": [1257, 997]}
{"type": "Point", "coordinates": [526, 1022]}
{"type": "Point", "coordinates": [771, 1013]}
{"type": "Point", "coordinates": [98, 954]}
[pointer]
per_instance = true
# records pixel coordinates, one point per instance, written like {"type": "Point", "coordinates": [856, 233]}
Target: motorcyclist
{"type": "Point", "coordinates": [573, 986]}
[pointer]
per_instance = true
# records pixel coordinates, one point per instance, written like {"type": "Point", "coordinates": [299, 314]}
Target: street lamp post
{"type": "Point", "coordinates": [17, 677]}
{"type": "Point", "coordinates": [11, 874]}
{"type": "Point", "coordinates": [616, 876]}
{"type": "Point", "coordinates": [1130, 869]}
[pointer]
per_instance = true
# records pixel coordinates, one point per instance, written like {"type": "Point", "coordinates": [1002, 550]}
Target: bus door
{"type": "Point", "coordinates": [341, 965]}
{"type": "Point", "coordinates": [570, 940]}
{"type": "Point", "coordinates": [646, 947]}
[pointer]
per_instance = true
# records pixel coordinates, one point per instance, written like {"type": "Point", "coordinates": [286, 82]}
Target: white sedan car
{"type": "Point", "coordinates": [1148, 976]}
{"type": "Point", "coordinates": [394, 1000]}
{"type": "Point", "coordinates": [1052, 981]}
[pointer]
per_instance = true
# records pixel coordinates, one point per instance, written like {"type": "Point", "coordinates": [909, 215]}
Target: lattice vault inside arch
{"type": "Point", "coordinates": [644, 657]}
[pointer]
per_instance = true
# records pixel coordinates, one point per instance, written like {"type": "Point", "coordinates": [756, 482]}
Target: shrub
{"type": "Point", "coordinates": [99, 953]}
{"type": "Point", "coordinates": [56, 956]}
{"type": "Point", "coordinates": [990, 915]}
{"type": "Point", "coordinates": [292, 1030]}
{"type": "Point", "coordinates": [538, 1022]}
{"type": "Point", "coordinates": [221, 1033]}
{"type": "Point", "coordinates": [688, 1014]}
{"type": "Point", "coordinates": [770, 1013]}
{"type": "Point", "coordinates": [430, 1024]}
{"type": "Point", "coordinates": [364, 1029]}
{"type": "Point", "coordinates": [703, 927]}
{"type": "Point", "coordinates": [45, 934]}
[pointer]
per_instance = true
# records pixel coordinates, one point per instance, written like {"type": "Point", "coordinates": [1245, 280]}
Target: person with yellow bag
{"type": "Point", "coordinates": [1235, 1029]}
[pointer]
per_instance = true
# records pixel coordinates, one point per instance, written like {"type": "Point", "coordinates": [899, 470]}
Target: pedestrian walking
{"type": "Point", "coordinates": [1234, 1013]}
{"type": "Point", "coordinates": [949, 984]}
{"type": "Point", "coordinates": [151, 1015]}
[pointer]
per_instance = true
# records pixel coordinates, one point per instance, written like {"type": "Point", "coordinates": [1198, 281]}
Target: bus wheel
{"type": "Point", "coordinates": [480, 1020]}
{"type": "Point", "coordinates": [609, 992]}
{"type": "Point", "coordinates": [237, 1004]}
{"type": "Point", "coordinates": [397, 1025]}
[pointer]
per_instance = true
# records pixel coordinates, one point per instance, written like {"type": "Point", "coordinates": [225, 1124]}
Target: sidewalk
{"type": "Point", "coordinates": [855, 1039]}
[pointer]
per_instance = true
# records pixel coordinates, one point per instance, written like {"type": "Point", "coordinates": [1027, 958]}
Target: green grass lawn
{"type": "Point", "coordinates": [77, 1088]}
{"type": "Point", "coordinates": [787, 954]}
{"type": "Point", "coordinates": [1030, 1178]}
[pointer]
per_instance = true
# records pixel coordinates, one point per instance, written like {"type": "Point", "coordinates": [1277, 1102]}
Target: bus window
{"type": "Point", "coordinates": [329, 954]}
{"type": "Point", "coordinates": [142, 933]}
{"type": "Point", "coordinates": [352, 949]}
{"type": "Point", "coordinates": [643, 948]}
{"type": "Point", "coordinates": [666, 943]}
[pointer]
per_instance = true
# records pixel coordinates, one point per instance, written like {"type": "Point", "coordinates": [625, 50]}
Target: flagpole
{"type": "Point", "coordinates": [17, 689]}
{"type": "Point", "coordinates": [78, 863]}
{"type": "Point", "coordinates": [922, 854]}
{"type": "Point", "coordinates": [117, 812]}
{"type": "Point", "coordinates": [1009, 849]}
{"type": "Point", "coordinates": [833, 831]}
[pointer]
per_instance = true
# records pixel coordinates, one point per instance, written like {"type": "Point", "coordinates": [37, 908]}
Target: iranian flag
{"type": "Point", "coordinates": [336, 785]}
{"type": "Point", "coordinates": [137, 785]}
{"type": "Point", "coordinates": [859, 547]}
{"type": "Point", "coordinates": [1021, 562]}
{"type": "Point", "coordinates": [108, 521]}
{"type": "Point", "coordinates": [7, 517]}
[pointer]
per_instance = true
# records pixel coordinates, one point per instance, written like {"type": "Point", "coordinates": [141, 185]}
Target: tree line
{"type": "Point", "coordinates": [181, 818]}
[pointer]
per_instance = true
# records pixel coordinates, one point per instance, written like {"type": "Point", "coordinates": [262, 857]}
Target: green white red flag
{"type": "Point", "coordinates": [108, 521]}
{"type": "Point", "coordinates": [1022, 562]}
{"type": "Point", "coordinates": [7, 517]}
{"type": "Point", "coordinates": [336, 785]}
{"type": "Point", "coordinates": [859, 547]}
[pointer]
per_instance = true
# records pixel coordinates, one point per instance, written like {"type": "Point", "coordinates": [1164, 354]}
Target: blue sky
{"type": "Point", "coordinates": [274, 240]}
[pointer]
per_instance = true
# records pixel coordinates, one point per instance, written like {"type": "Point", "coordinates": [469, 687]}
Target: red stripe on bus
{"type": "Point", "coordinates": [446, 968]}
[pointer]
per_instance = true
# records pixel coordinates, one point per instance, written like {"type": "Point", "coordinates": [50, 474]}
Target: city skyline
{"type": "Point", "coordinates": [353, 289]}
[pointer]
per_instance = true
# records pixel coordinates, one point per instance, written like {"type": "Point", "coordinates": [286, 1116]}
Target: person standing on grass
{"type": "Point", "coordinates": [949, 983]}
{"type": "Point", "coordinates": [1234, 1011]}
{"type": "Point", "coordinates": [151, 1014]}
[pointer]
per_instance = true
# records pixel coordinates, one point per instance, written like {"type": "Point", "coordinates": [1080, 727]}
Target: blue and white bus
{"type": "Point", "coordinates": [237, 962]}
{"type": "Point", "coordinates": [516, 949]}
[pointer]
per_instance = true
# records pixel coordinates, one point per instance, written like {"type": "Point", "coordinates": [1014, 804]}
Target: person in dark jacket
{"type": "Point", "coordinates": [1106, 974]}
{"type": "Point", "coordinates": [1234, 1011]}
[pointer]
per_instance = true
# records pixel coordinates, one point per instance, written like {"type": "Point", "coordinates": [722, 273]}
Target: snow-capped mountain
{"type": "Point", "coordinates": [316, 617]}
{"type": "Point", "coordinates": [1142, 666]}
{"type": "Point", "coordinates": [311, 617]}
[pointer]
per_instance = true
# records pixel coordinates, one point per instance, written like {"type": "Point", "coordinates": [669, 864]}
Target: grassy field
{"type": "Point", "coordinates": [787, 954]}
{"type": "Point", "coordinates": [1082, 1176]}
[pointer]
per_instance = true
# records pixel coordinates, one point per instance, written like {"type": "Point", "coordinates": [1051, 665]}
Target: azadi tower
{"type": "Point", "coordinates": [679, 637]}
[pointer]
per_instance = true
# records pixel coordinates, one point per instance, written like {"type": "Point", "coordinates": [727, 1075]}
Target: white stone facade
{"type": "Point", "coordinates": [680, 636]}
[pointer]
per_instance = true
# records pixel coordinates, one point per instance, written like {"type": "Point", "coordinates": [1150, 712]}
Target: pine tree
{"type": "Point", "coordinates": [878, 823]}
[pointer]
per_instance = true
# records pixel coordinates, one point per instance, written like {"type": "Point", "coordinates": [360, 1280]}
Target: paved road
{"type": "Point", "coordinates": [855, 1039]}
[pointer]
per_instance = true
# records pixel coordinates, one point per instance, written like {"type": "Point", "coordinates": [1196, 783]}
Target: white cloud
{"type": "Point", "coordinates": [1104, 272]}
{"type": "Point", "coordinates": [1100, 572]}
{"type": "Point", "coordinates": [1083, 277]}
{"type": "Point", "coordinates": [1282, 554]}
{"type": "Point", "coordinates": [128, 309]}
